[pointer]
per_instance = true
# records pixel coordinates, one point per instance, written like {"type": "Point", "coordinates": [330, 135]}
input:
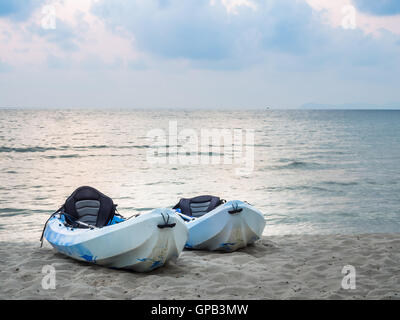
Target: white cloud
{"type": "Point", "coordinates": [333, 14]}
{"type": "Point", "coordinates": [218, 52]}
{"type": "Point", "coordinates": [28, 45]}
{"type": "Point", "coordinates": [232, 6]}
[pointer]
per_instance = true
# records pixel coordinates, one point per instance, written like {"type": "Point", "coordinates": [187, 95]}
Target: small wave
{"type": "Point", "coordinates": [7, 210]}
{"type": "Point", "coordinates": [11, 172]}
{"type": "Point", "coordinates": [91, 147]}
{"type": "Point", "coordinates": [138, 147]}
{"type": "Point", "coordinates": [293, 165]}
{"type": "Point", "coordinates": [63, 156]}
{"type": "Point", "coordinates": [63, 148]}
{"type": "Point", "coordinates": [296, 188]}
{"type": "Point", "coordinates": [69, 156]}
{"type": "Point", "coordinates": [28, 149]}
{"type": "Point", "coordinates": [73, 156]}
{"type": "Point", "coordinates": [262, 145]}
{"type": "Point", "coordinates": [10, 212]}
{"type": "Point", "coordinates": [341, 183]}
{"type": "Point", "coordinates": [165, 182]}
{"type": "Point", "coordinates": [296, 164]}
{"type": "Point", "coordinates": [110, 147]}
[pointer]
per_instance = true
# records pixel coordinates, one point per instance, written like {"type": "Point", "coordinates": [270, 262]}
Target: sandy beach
{"type": "Point", "coordinates": [225, 113]}
{"type": "Point", "coordinates": [277, 267]}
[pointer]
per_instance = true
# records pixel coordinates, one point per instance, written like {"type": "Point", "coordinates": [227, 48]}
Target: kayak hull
{"type": "Point", "coordinates": [137, 244]}
{"type": "Point", "coordinates": [228, 227]}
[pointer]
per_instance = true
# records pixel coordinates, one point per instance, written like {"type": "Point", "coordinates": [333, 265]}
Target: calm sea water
{"type": "Point", "coordinates": [315, 172]}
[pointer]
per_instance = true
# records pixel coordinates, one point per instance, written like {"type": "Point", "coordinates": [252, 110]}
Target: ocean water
{"type": "Point", "coordinates": [309, 172]}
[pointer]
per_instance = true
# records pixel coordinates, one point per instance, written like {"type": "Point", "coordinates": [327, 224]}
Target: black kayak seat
{"type": "Point", "coordinates": [198, 206]}
{"type": "Point", "coordinates": [88, 205]}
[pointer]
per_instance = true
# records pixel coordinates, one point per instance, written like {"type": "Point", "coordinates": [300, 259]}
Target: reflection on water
{"type": "Point", "coordinates": [314, 171]}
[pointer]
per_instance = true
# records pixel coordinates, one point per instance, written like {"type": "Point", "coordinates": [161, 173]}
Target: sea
{"type": "Point", "coordinates": [307, 171]}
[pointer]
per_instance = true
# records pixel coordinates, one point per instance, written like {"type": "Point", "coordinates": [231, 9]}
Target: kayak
{"type": "Point", "coordinates": [228, 226]}
{"type": "Point", "coordinates": [87, 228]}
{"type": "Point", "coordinates": [139, 243]}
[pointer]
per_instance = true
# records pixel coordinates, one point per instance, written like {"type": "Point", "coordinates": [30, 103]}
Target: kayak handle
{"type": "Point", "coordinates": [166, 222]}
{"type": "Point", "coordinates": [170, 225]}
{"type": "Point", "coordinates": [235, 209]}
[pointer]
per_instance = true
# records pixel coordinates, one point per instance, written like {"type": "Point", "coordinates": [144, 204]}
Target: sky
{"type": "Point", "coordinates": [198, 53]}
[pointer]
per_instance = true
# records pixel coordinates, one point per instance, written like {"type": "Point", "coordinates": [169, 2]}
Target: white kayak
{"type": "Point", "coordinates": [230, 226]}
{"type": "Point", "coordinates": [141, 243]}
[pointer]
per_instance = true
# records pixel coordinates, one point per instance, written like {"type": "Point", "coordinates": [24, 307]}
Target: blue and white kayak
{"type": "Point", "coordinates": [141, 243]}
{"type": "Point", "coordinates": [230, 226]}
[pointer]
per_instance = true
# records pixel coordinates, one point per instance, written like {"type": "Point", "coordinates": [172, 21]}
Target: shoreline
{"type": "Point", "coordinates": [276, 267]}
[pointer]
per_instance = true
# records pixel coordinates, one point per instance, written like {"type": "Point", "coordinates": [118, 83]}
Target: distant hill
{"type": "Point", "coordinates": [350, 106]}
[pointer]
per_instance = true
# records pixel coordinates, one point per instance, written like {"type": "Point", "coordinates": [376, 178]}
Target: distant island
{"type": "Point", "coordinates": [350, 106]}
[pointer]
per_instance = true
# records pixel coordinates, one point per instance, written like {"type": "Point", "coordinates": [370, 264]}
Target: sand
{"type": "Point", "coordinates": [277, 267]}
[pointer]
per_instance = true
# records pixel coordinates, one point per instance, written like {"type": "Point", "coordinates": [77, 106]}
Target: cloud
{"type": "Point", "coordinates": [215, 30]}
{"type": "Point", "coordinates": [232, 6]}
{"type": "Point", "coordinates": [17, 9]}
{"type": "Point", "coordinates": [203, 53]}
{"type": "Point", "coordinates": [174, 29]}
{"type": "Point", "coordinates": [378, 7]}
{"type": "Point", "coordinates": [64, 36]}
{"type": "Point", "coordinates": [4, 67]}
{"type": "Point", "coordinates": [208, 35]}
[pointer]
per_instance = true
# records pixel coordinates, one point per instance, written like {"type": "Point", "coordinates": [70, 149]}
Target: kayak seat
{"type": "Point", "coordinates": [88, 205]}
{"type": "Point", "coordinates": [198, 206]}
{"type": "Point", "coordinates": [88, 211]}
